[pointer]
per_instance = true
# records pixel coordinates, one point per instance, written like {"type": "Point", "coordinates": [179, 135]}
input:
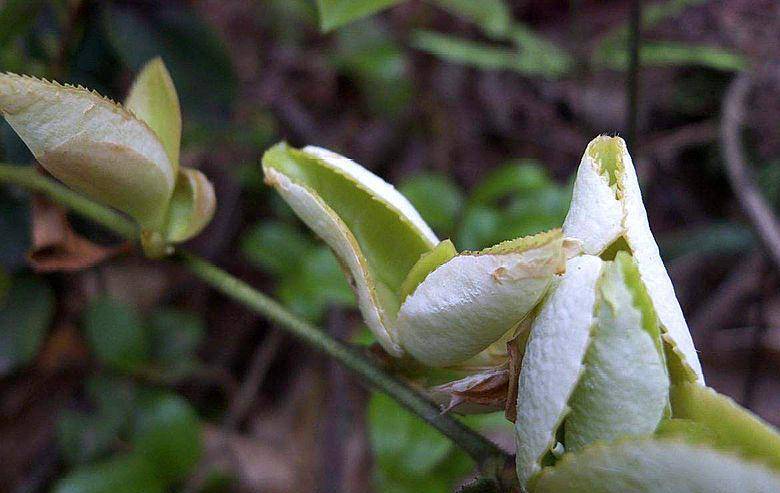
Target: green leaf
{"type": "Point", "coordinates": [130, 473]}
{"type": "Point", "coordinates": [153, 99]}
{"type": "Point", "coordinates": [717, 238]}
{"type": "Point", "coordinates": [660, 54]}
{"type": "Point", "coordinates": [735, 428]}
{"type": "Point", "coordinates": [25, 315]}
{"type": "Point", "coordinates": [437, 197]}
{"type": "Point", "coordinates": [624, 388]}
{"type": "Point", "coordinates": [168, 435]}
{"type": "Point", "coordinates": [654, 466]}
{"type": "Point", "coordinates": [533, 61]}
{"type": "Point", "coordinates": [517, 177]}
{"type": "Point", "coordinates": [317, 284]}
{"type": "Point", "coordinates": [275, 247]}
{"type": "Point", "coordinates": [175, 335]}
{"type": "Point", "coordinates": [492, 16]}
{"type": "Point", "coordinates": [379, 64]}
{"type": "Point", "coordinates": [116, 334]}
{"type": "Point", "coordinates": [481, 226]}
{"type": "Point", "coordinates": [376, 233]}
{"type": "Point", "coordinates": [410, 456]}
{"type": "Point", "coordinates": [336, 13]}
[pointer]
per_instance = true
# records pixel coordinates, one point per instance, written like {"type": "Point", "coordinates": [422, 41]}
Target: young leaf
{"type": "Point", "coordinates": [553, 362]}
{"type": "Point", "coordinates": [429, 261]}
{"type": "Point", "coordinates": [192, 205]}
{"type": "Point", "coordinates": [607, 214]}
{"type": "Point", "coordinates": [91, 144]}
{"type": "Point", "coordinates": [336, 13]}
{"type": "Point", "coordinates": [373, 229]}
{"type": "Point", "coordinates": [734, 428]}
{"type": "Point", "coordinates": [153, 99]}
{"type": "Point", "coordinates": [654, 466]}
{"type": "Point", "coordinates": [470, 301]}
{"type": "Point", "coordinates": [624, 389]}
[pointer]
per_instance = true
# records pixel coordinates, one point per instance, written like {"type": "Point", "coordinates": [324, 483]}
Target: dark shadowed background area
{"type": "Point", "coordinates": [478, 111]}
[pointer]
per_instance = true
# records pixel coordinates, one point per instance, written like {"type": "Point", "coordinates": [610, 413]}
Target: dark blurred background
{"type": "Point", "coordinates": [128, 375]}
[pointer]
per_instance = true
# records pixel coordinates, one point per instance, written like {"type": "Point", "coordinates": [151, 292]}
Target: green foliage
{"type": "Point", "coordinates": [612, 51]}
{"type": "Point", "coordinates": [86, 437]}
{"type": "Point", "coordinates": [437, 197]}
{"type": "Point", "coordinates": [116, 334]}
{"type": "Point", "coordinates": [411, 456]}
{"type": "Point", "coordinates": [377, 62]}
{"type": "Point", "coordinates": [16, 17]}
{"type": "Point", "coordinates": [195, 56]}
{"type": "Point", "coordinates": [26, 311]}
{"type": "Point", "coordinates": [128, 473]}
{"type": "Point", "coordinates": [167, 433]}
{"type": "Point", "coordinates": [492, 16]}
{"type": "Point", "coordinates": [337, 13]}
{"type": "Point", "coordinates": [160, 429]}
{"type": "Point", "coordinates": [175, 336]}
{"type": "Point", "coordinates": [533, 56]}
{"type": "Point", "coordinates": [309, 279]}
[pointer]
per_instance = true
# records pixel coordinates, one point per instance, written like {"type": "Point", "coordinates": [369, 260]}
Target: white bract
{"type": "Point", "coordinates": [607, 211]}
{"type": "Point", "coordinates": [418, 296]}
{"type": "Point", "coordinates": [124, 157]}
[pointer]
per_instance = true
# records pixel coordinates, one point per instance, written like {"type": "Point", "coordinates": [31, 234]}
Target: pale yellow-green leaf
{"type": "Point", "coordinates": [553, 361]}
{"type": "Point", "coordinates": [624, 389]}
{"type": "Point", "coordinates": [607, 213]}
{"type": "Point", "coordinates": [735, 428]}
{"type": "Point", "coordinates": [472, 300]}
{"type": "Point", "coordinates": [191, 207]}
{"type": "Point", "coordinates": [153, 99]}
{"type": "Point", "coordinates": [428, 262]}
{"type": "Point", "coordinates": [655, 466]}
{"type": "Point", "coordinates": [91, 144]}
{"type": "Point", "coordinates": [373, 229]}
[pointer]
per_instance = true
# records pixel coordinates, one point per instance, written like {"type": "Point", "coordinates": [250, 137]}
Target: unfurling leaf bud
{"type": "Point", "coordinates": [124, 157]}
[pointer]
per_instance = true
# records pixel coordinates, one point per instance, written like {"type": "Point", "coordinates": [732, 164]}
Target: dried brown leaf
{"type": "Point", "coordinates": [56, 247]}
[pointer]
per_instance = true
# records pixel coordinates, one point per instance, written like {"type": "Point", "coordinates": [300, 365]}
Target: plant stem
{"type": "Point", "coordinates": [27, 177]}
{"type": "Point", "coordinates": [632, 77]}
{"type": "Point", "coordinates": [489, 458]}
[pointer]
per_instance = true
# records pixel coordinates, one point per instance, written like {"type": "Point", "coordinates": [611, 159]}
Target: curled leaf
{"type": "Point", "coordinates": [191, 207]}
{"type": "Point", "coordinates": [92, 144]}
{"type": "Point", "coordinates": [373, 229]}
{"type": "Point", "coordinates": [471, 301]}
{"type": "Point", "coordinates": [553, 361]}
{"type": "Point", "coordinates": [153, 99]}
{"type": "Point", "coordinates": [607, 214]}
{"type": "Point", "coordinates": [487, 390]}
{"type": "Point", "coordinates": [655, 466]}
{"type": "Point", "coordinates": [624, 389]}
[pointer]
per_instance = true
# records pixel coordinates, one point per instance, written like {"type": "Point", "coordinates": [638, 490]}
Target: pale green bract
{"type": "Point", "coordinates": [655, 466]}
{"type": "Point", "coordinates": [124, 157]}
{"type": "Point", "coordinates": [417, 296]}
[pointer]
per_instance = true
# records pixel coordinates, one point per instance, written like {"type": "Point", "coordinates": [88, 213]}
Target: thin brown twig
{"type": "Point", "coordinates": [745, 188]}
